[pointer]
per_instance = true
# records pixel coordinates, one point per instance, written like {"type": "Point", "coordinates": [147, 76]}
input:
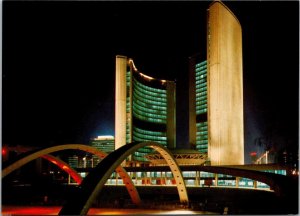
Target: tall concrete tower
{"type": "Point", "coordinates": [225, 87]}
{"type": "Point", "coordinates": [216, 122]}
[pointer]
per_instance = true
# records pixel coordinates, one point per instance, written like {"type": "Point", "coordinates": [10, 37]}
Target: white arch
{"type": "Point", "coordinates": [94, 182]}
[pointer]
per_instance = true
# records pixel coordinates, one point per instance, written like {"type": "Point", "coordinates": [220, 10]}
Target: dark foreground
{"type": "Point", "coordinates": [155, 200]}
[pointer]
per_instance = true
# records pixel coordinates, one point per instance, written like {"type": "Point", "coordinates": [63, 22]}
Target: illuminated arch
{"type": "Point", "coordinates": [95, 180]}
{"type": "Point", "coordinates": [120, 170]}
{"type": "Point", "coordinates": [64, 166]}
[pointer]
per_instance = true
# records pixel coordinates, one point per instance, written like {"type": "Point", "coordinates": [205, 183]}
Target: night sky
{"type": "Point", "coordinates": [58, 65]}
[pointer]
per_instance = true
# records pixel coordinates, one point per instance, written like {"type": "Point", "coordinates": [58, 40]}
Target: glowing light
{"type": "Point", "coordinates": [132, 63]}
{"type": "Point", "coordinates": [54, 210]}
{"type": "Point", "coordinates": [3, 151]}
{"type": "Point", "coordinates": [65, 167]}
{"type": "Point", "coordinates": [146, 77]}
{"type": "Point", "coordinates": [253, 154]}
{"type": "Point", "coordinates": [105, 137]}
{"type": "Point", "coordinates": [53, 161]}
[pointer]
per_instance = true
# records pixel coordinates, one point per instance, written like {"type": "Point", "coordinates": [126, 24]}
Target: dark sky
{"type": "Point", "coordinates": [58, 65]}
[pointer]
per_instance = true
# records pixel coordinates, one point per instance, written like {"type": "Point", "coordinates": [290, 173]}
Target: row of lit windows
{"type": "Point", "coordinates": [201, 107]}
{"type": "Point", "coordinates": [201, 77]}
{"type": "Point", "coordinates": [202, 147]}
{"type": "Point", "coordinates": [201, 74]}
{"type": "Point", "coordinates": [148, 137]}
{"type": "Point", "coordinates": [139, 156]}
{"type": "Point", "coordinates": [150, 115]}
{"type": "Point", "coordinates": [201, 102]}
{"type": "Point", "coordinates": [280, 172]}
{"type": "Point", "coordinates": [201, 93]}
{"type": "Point", "coordinates": [143, 93]}
{"type": "Point", "coordinates": [203, 137]}
{"type": "Point", "coordinates": [137, 97]}
{"type": "Point", "coordinates": [202, 151]}
{"type": "Point", "coordinates": [201, 124]}
{"type": "Point", "coordinates": [155, 120]}
{"type": "Point", "coordinates": [204, 88]}
{"type": "Point", "coordinates": [201, 111]}
{"type": "Point", "coordinates": [150, 89]}
{"type": "Point", "coordinates": [147, 109]}
{"type": "Point", "coordinates": [200, 68]}
{"type": "Point", "coordinates": [149, 105]}
{"type": "Point", "coordinates": [204, 97]}
{"type": "Point", "coordinates": [201, 98]}
{"type": "Point", "coordinates": [128, 105]}
{"type": "Point", "coordinates": [151, 95]}
{"type": "Point", "coordinates": [128, 133]}
{"type": "Point", "coordinates": [201, 142]}
{"type": "Point", "coordinates": [145, 150]}
{"type": "Point", "coordinates": [147, 132]}
{"type": "Point", "coordinates": [201, 85]}
{"type": "Point", "coordinates": [146, 99]}
{"type": "Point", "coordinates": [204, 132]}
{"type": "Point", "coordinates": [199, 82]}
{"type": "Point", "coordinates": [143, 140]}
{"type": "Point", "coordinates": [128, 76]}
{"type": "Point", "coordinates": [141, 108]}
{"type": "Point", "coordinates": [201, 63]}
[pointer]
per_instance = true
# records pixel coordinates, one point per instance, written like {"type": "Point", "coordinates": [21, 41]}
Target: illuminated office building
{"type": "Point", "coordinates": [144, 108]}
{"type": "Point", "coordinates": [216, 123]}
{"type": "Point", "coordinates": [104, 143]}
{"type": "Point", "coordinates": [198, 131]}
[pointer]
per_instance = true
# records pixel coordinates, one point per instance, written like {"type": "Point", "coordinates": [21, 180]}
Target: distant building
{"type": "Point", "coordinates": [73, 161]}
{"type": "Point", "coordinates": [103, 143]}
{"type": "Point", "coordinates": [144, 108]}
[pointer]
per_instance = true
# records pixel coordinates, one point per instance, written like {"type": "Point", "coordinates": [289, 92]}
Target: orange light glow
{"type": "Point", "coordinates": [146, 77]}
{"type": "Point", "coordinates": [131, 61]}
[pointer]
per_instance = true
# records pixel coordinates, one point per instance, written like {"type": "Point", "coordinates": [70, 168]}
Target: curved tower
{"type": "Point", "coordinates": [225, 86]}
{"type": "Point", "coordinates": [216, 122]}
{"type": "Point", "coordinates": [144, 109]}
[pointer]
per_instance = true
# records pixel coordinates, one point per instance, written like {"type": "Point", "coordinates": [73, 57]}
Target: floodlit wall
{"type": "Point", "coordinates": [120, 101]}
{"type": "Point", "coordinates": [225, 87]}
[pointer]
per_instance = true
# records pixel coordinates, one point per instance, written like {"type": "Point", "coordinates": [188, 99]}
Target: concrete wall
{"type": "Point", "coordinates": [171, 114]}
{"type": "Point", "coordinates": [192, 103]}
{"type": "Point", "coordinates": [120, 101]}
{"type": "Point", "coordinates": [225, 87]}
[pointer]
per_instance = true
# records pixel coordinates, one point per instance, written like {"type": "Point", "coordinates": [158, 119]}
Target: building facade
{"type": "Point", "coordinates": [104, 143]}
{"type": "Point", "coordinates": [216, 119]}
{"type": "Point", "coordinates": [145, 108]}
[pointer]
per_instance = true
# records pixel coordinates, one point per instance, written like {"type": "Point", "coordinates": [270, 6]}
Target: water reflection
{"type": "Point", "coordinates": [54, 210]}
